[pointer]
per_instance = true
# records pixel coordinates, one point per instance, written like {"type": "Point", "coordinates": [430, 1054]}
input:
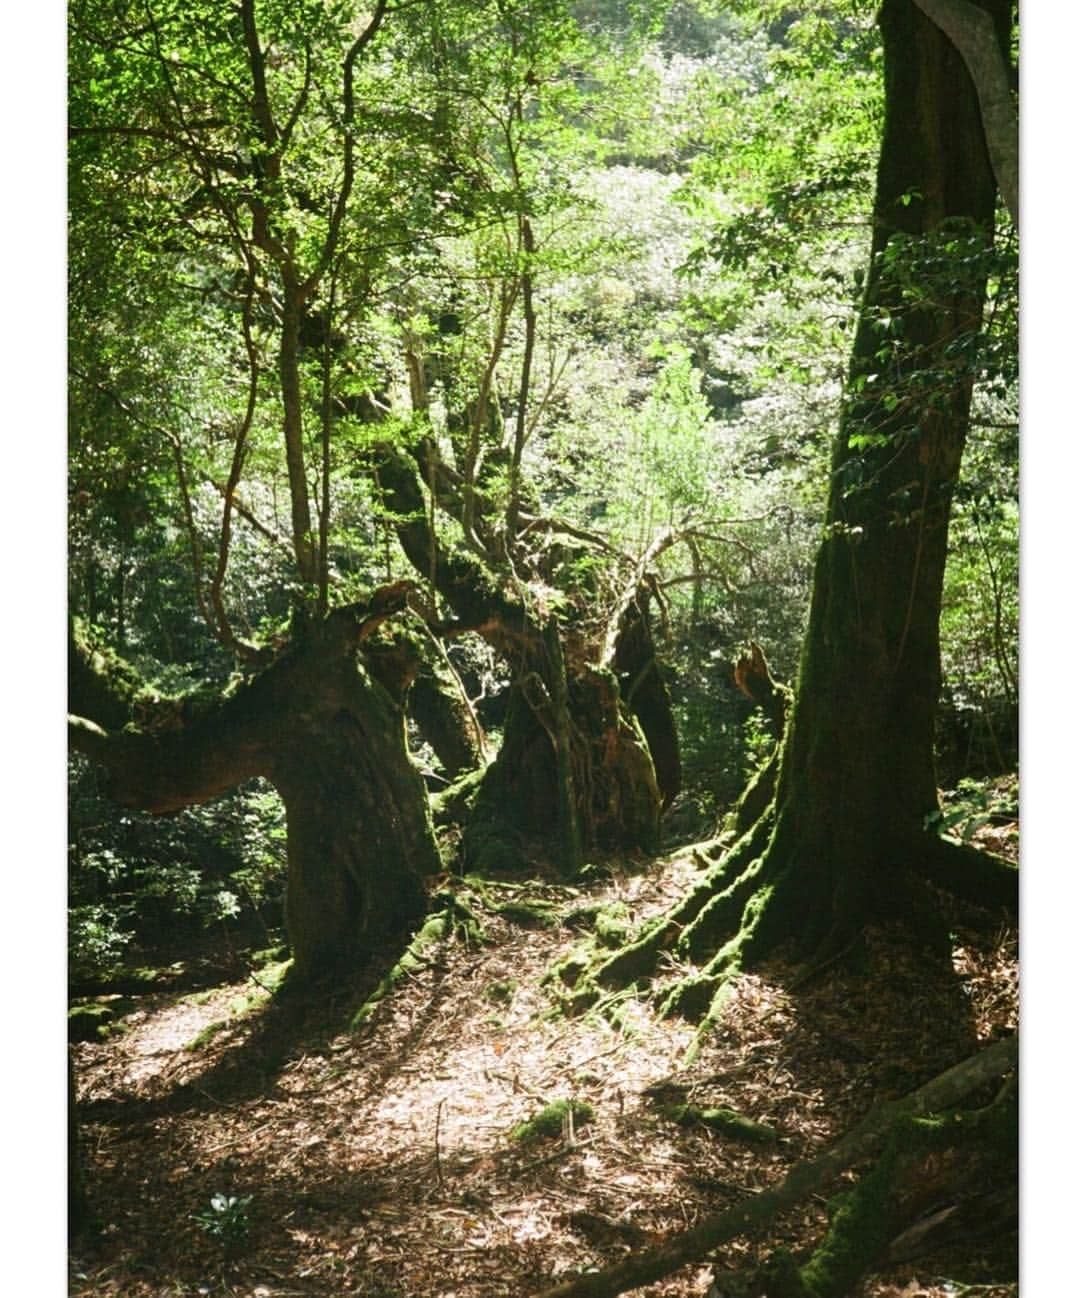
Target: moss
{"type": "Point", "coordinates": [726, 1121]}
{"type": "Point", "coordinates": [270, 980]}
{"type": "Point", "coordinates": [453, 805]}
{"type": "Point", "coordinates": [269, 955]}
{"type": "Point", "coordinates": [552, 1120]}
{"type": "Point", "coordinates": [502, 992]}
{"type": "Point", "coordinates": [583, 915]}
{"type": "Point", "coordinates": [568, 971]}
{"type": "Point", "coordinates": [207, 1035]}
{"type": "Point", "coordinates": [515, 904]}
{"type": "Point", "coordinates": [199, 998]}
{"type": "Point", "coordinates": [863, 1220]}
{"type": "Point", "coordinates": [454, 917]}
{"type": "Point", "coordinates": [612, 924]}
{"type": "Point", "coordinates": [271, 977]}
{"type": "Point", "coordinates": [860, 1226]}
{"type": "Point", "coordinates": [89, 1022]}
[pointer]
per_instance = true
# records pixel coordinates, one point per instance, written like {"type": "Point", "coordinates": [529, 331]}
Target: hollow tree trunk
{"type": "Point", "coordinates": [332, 741]}
{"type": "Point", "coordinates": [413, 666]}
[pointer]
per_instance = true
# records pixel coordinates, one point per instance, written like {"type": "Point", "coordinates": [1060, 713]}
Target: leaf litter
{"type": "Point", "coordinates": [382, 1163]}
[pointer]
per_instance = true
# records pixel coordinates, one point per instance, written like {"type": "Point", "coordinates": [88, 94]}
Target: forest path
{"type": "Point", "coordinates": [380, 1163]}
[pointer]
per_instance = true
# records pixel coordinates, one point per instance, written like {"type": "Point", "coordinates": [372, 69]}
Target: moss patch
{"type": "Point", "coordinates": [453, 805]}
{"type": "Point", "coordinates": [552, 1120]}
{"type": "Point", "coordinates": [726, 1121]}
{"type": "Point", "coordinates": [454, 917]}
{"type": "Point", "coordinates": [612, 924]}
{"type": "Point", "coordinates": [514, 902]}
{"type": "Point", "coordinates": [269, 981]}
{"type": "Point", "coordinates": [89, 1022]}
{"type": "Point", "coordinates": [502, 992]}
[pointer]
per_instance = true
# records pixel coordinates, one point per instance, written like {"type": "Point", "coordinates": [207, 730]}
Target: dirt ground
{"type": "Point", "coordinates": [380, 1163]}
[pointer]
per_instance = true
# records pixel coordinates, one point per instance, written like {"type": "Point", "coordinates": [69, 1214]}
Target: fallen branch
{"type": "Point", "coordinates": [804, 1178]}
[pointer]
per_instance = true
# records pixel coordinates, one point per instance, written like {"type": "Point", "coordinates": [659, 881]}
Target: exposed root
{"type": "Point", "coordinates": [864, 1220]}
{"type": "Point", "coordinates": [650, 1264]}
{"type": "Point", "coordinates": [974, 876]}
{"type": "Point", "coordinates": [453, 918]}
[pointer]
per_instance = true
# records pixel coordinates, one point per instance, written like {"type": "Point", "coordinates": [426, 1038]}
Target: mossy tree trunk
{"type": "Point", "coordinates": [841, 840]}
{"type": "Point", "coordinates": [576, 766]}
{"type": "Point", "coordinates": [331, 740]}
{"type": "Point", "coordinates": [414, 667]}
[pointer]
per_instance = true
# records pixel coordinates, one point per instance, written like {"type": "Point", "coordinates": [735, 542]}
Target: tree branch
{"type": "Point", "coordinates": [971, 30]}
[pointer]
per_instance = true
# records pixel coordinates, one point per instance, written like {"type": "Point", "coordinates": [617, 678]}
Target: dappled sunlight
{"type": "Point", "coordinates": [386, 1157]}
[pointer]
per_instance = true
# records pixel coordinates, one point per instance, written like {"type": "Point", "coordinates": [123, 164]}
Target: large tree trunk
{"type": "Point", "coordinates": [837, 845]}
{"type": "Point", "coordinates": [575, 768]}
{"type": "Point", "coordinates": [414, 667]}
{"type": "Point", "coordinates": [332, 742]}
{"type": "Point", "coordinates": [857, 778]}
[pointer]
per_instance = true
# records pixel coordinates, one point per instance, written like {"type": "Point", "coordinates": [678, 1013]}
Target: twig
{"type": "Point", "coordinates": [438, 1157]}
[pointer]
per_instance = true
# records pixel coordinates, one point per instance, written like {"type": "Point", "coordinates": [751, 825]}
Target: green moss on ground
{"type": "Point", "coordinates": [552, 1120]}
{"type": "Point", "coordinates": [612, 924]}
{"type": "Point", "coordinates": [453, 917]}
{"type": "Point", "coordinates": [89, 1022]}
{"type": "Point", "coordinates": [502, 992]}
{"type": "Point", "coordinates": [515, 902]}
{"type": "Point", "coordinates": [269, 981]}
{"type": "Point", "coordinates": [726, 1121]}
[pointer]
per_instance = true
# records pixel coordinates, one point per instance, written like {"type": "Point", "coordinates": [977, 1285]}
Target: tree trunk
{"type": "Point", "coordinates": [413, 666]}
{"type": "Point", "coordinates": [971, 30]}
{"type": "Point", "coordinates": [646, 695]}
{"type": "Point", "coordinates": [575, 768]}
{"type": "Point", "coordinates": [857, 778]}
{"type": "Point", "coordinates": [292, 407]}
{"type": "Point", "coordinates": [332, 741]}
{"type": "Point", "coordinates": [837, 846]}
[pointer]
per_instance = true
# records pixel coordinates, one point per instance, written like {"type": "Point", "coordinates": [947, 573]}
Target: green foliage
{"type": "Point", "coordinates": [759, 743]}
{"type": "Point", "coordinates": [973, 804]}
{"type": "Point", "coordinates": [684, 188]}
{"type": "Point", "coordinates": [226, 1220]}
{"type": "Point", "coordinates": [135, 880]}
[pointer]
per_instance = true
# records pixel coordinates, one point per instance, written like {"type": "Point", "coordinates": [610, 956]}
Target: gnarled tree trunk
{"type": "Point", "coordinates": [576, 767]}
{"type": "Point", "coordinates": [331, 740]}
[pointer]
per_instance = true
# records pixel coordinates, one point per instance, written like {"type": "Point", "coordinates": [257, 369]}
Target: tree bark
{"type": "Point", "coordinates": [332, 741]}
{"type": "Point", "coordinates": [292, 405]}
{"type": "Point", "coordinates": [857, 779]}
{"type": "Point", "coordinates": [971, 30]}
{"type": "Point", "coordinates": [414, 667]}
{"type": "Point", "coordinates": [843, 839]}
{"type": "Point", "coordinates": [574, 767]}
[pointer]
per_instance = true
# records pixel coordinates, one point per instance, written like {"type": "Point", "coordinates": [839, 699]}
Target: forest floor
{"type": "Point", "coordinates": [380, 1163]}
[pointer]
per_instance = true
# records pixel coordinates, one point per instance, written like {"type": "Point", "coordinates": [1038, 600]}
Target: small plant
{"type": "Point", "coordinates": [226, 1220]}
{"type": "Point", "coordinates": [971, 805]}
